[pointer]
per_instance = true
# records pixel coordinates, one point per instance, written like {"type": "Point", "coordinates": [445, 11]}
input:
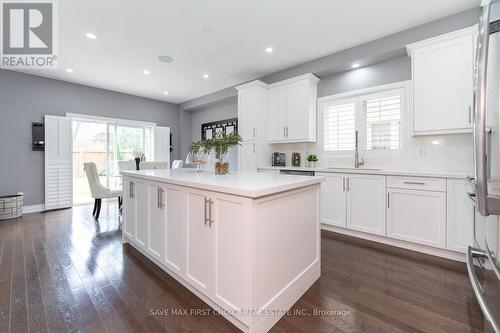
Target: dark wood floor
{"type": "Point", "coordinates": [61, 271]}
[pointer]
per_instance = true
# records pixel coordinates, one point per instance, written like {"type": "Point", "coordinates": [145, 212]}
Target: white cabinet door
{"type": "Point", "coordinates": [277, 113]}
{"type": "Point", "coordinates": [460, 215]}
{"type": "Point", "coordinates": [247, 156]}
{"type": "Point", "coordinates": [443, 85]}
{"type": "Point", "coordinates": [248, 106]}
{"type": "Point", "coordinates": [333, 199]}
{"type": "Point", "coordinates": [366, 202]}
{"type": "Point", "coordinates": [417, 216]}
{"type": "Point", "coordinates": [199, 258]}
{"type": "Point", "coordinates": [231, 249]}
{"type": "Point", "coordinates": [129, 208]}
{"type": "Point", "coordinates": [175, 244]}
{"type": "Point", "coordinates": [142, 214]}
{"type": "Point", "coordinates": [157, 221]}
{"type": "Point", "coordinates": [297, 111]}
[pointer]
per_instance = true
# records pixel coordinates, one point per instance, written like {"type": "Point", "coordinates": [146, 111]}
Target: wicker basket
{"type": "Point", "coordinates": [11, 206]}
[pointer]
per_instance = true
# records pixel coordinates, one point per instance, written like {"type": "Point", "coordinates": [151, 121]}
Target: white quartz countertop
{"type": "Point", "coordinates": [374, 171]}
{"type": "Point", "coordinates": [246, 184]}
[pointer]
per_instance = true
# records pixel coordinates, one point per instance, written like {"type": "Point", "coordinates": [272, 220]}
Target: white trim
{"type": "Point", "coordinates": [376, 89]}
{"type": "Point", "coordinates": [437, 252]}
{"type": "Point", "coordinates": [33, 208]}
{"type": "Point", "coordinates": [309, 76]}
{"type": "Point", "coordinates": [410, 48]}
{"type": "Point", "coordinates": [91, 118]}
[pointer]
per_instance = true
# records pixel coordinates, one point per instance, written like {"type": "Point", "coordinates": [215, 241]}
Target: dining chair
{"type": "Point", "coordinates": [177, 164]}
{"type": "Point", "coordinates": [151, 165]}
{"type": "Point", "coordinates": [98, 190]}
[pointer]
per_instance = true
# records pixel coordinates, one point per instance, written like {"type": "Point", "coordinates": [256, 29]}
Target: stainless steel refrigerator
{"type": "Point", "coordinates": [483, 261]}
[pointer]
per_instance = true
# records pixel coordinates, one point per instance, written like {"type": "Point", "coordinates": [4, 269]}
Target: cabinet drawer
{"type": "Point", "coordinates": [417, 183]}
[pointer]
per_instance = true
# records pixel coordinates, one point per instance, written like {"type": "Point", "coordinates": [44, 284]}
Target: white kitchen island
{"type": "Point", "coordinates": [246, 243]}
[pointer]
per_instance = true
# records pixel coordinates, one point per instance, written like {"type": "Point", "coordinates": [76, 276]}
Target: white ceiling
{"type": "Point", "coordinates": [223, 38]}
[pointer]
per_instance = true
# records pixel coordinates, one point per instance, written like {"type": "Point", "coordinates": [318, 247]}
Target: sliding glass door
{"type": "Point", "coordinates": [105, 144]}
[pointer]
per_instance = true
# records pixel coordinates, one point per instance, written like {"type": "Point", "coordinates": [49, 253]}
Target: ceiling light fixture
{"type": "Point", "coordinates": [90, 35]}
{"type": "Point", "coordinates": [69, 70]}
{"type": "Point", "coordinates": [269, 50]}
{"type": "Point", "coordinates": [205, 76]}
{"type": "Point", "coordinates": [165, 58]}
{"type": "Point", "coordinates": [146, 72]}
{"type": "Point", "coordinates": [165, 93]}
{"type": "Point", "coordinates": [356, 65]}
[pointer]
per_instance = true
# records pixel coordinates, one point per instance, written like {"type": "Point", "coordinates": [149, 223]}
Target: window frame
{"type": "Point", "coordinates": [359, 96]}
{"type": "Point", "coordinates": [323, 105]}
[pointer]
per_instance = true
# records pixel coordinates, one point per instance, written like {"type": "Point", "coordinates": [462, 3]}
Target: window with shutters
{"type": "Point", "coordinates": [339, 125]}
{"type": "Point", "coordinates": [383, 120]}
{"type": "Point", "coordinates": [375, 113]}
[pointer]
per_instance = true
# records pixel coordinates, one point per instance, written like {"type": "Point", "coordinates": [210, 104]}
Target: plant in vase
{"type": "Point", "coordinates": [311, 160]}
{"type": "Point", "coordinates": [220, 144]}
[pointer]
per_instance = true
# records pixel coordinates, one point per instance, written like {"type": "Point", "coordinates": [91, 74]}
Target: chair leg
{"type": "Point", "coordinates": [95, 207]}
{"type": "Point", "coordinates": [120, 202]}
{"type": "Point", "coordinates": [98, 209]}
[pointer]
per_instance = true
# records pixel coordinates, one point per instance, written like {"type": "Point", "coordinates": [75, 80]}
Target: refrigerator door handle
{"type": "Point", "coordinates": [476, 287]}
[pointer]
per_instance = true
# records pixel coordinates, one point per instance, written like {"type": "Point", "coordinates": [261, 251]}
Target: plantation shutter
{"type": "Point", "coordinates": [339, 125]}
{"type": "Point", "coordinates": [383, 121]}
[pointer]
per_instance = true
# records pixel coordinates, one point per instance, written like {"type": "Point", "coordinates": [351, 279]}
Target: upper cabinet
{"type": "Point", "coordinates": [442, 72]}
{"type": "Point", "coordinates": [292, 110]}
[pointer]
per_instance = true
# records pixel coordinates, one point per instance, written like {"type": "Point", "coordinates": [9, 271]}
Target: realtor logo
{"type": "Point", "coordinates": [28, 34]}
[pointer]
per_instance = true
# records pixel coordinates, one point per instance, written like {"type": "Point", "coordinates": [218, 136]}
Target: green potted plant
{"type": "Point", "coordinates": [220, 144]}
{"type": "Point", "coordinates": [311, 160]}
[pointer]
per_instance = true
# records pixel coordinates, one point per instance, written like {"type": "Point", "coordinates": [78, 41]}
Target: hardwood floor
{"type": "Point", "coordinates": [61, 271]}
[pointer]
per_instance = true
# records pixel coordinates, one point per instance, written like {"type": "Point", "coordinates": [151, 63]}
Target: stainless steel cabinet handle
{"type": "Point", "coordinates": [160, 198]}
{"type": "Point", "coordinates": [414, 183]}
{"type": "Point", "coordinates": [348, 184]}
{"type": "Point", "coordinates": [343, 184]}
{"type": "Point", "coordinates": [284, 131]}
{"type": "Point", "coordinates": [470, 115]}
{"type": "Point", "coordinates": [388, 200]}
{"type": "Point", "coordinates": [254, 132]}
{"type": "Point", "coordinates": [131, 190]}
{"type": "Point", "coordinates": [205, 215]}
{"type": "Point", "coordinates": [254, 147]}
{"type": "Point", "coordinates": [210, 221]}
{"type": "Point", "coordinates": [476, 287]}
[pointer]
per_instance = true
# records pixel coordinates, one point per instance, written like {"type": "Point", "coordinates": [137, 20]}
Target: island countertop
{"type": "Point", "coordinates": [246, 184]}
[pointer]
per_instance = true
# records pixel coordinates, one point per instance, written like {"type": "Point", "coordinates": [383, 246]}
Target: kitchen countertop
{"type": "Point", "coordinates": [247, 184]}
{"type": "Point", "coordinates": [373, 171]}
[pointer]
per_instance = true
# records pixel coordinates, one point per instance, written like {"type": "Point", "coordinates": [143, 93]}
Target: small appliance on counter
{"type": "Point", "coordinates": [296, 159]}
{"type": "Point", "coordinates": [279, 159]}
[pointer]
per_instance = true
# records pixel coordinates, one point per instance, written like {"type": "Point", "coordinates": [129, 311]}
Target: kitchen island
{"type": "Point", "coordinates": [247, 243]}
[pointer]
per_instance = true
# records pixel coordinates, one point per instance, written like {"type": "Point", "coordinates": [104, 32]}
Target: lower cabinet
{"type": "Point", "coordinates": [366, 203]}
{"type": "Point", "coordinates": [141, 193]}
{"type": "Point", "coordinates": [247, 156]}
{"type": "Point", "coordinates": [460, 215]}
{"type": "Point", "coordinates": [129, 208]}
{"type": "Point", "coordinates": [353, 201]}
{"type": "Point", "coordinates": [417, 216]}
{"type": "Point", "coordinates": [333, 199]}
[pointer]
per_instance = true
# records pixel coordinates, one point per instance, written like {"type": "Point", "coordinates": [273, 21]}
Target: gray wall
{"type": "Point", "coordinates": [224, 109]}
{"type": "Point", "coordinates": [27, 98]}
{"type": "Point", "coordinates": [383, 61]}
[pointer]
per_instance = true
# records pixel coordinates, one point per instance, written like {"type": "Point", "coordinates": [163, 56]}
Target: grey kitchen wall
{"type": "Point", "coordinates": [223, 109]}
{"type": "Point", "coordinates": [27, 98]}
{"type": "Point", "coordinates": [383, 61]}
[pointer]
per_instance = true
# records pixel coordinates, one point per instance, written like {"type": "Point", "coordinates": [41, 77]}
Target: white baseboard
{"type": "Point", "coordinates": [33, 209]}
{"type": "Point", "coordinates": [443, 253]}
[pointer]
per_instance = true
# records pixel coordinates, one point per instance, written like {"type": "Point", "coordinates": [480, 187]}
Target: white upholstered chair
{"type": "Point", "coordinates": [126, 165]}
{"type": "Point", "coordinates": [151, 165]}
{"type": "Point", "coordinates": [99, 191]}
{"type": "Point", "coordinates": [177, 164]}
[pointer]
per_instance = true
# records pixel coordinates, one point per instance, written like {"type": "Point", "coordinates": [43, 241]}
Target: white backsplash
{"type": "Point", "coordinates": [444, 153]}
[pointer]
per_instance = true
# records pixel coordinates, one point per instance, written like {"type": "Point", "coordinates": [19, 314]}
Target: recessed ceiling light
{"type": "Point", "coordinates": [356, 65]}
{"type": "Point", "coordinates": [90, 35]}
{"type": "Point", "coordinates": [146, 72]}
{"type": "Point", "coordinates": [165, 93]}
{"type": "Point", "coordinates": [205, 76]}
{"type": "Point", "coordinates": [165, 58]}
{"type": "Point", "coordinates": [69, 70]}
{"type": "Point", "coordinates": [269, 50]}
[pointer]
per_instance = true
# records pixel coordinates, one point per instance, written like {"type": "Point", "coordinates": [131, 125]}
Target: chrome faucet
{"type": "Point", "coordinates": [358, 161]}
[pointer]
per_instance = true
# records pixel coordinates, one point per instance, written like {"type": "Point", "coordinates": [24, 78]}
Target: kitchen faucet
{"type": "Point", "coordinates": [358, 161]}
